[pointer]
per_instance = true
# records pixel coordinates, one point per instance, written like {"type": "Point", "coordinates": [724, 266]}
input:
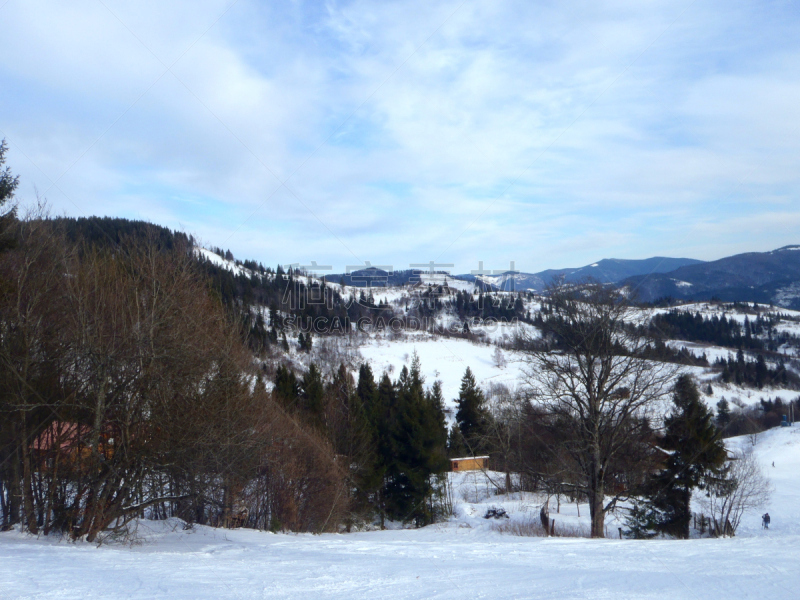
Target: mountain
{"type": "Point", "coordinates": [767, 277]}
{"type": "Point", "coordinates": [608, 270]}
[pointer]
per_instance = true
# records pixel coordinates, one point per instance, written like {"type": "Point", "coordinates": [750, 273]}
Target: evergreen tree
{"type": "Point", "coordinates": [313, 396]}
{"type": "Point", "coordinates": [436, 401]}
{"type": "Point", "coordinates": [366, 389]}
{"type": "Point", "coordinates": [418, 449]}
{"type": "Point", "coordinates": [723, 413]}
{"type": "Point", "coordinates": [287, 388]}
{"type": "Point", "coordinates": [642, 521]}
{"type": "Point", "coordinates": [284, 342]}
{"type": "Point", "coordinates": [697, 452]}
{"type": "Point", "coordinates": [472, 415]}
{"type": "Point", "coordinates": [761, 371]}
{"type": "Point", "coordinates": [274, 319]}
{"type": "Point", "coordinates": [456, 448]}
{"type": "Point", "coordinates": [350, 431]}
{"type": "Point", "coordinates": [383, 417]}
{"type": "Point", "coordinates": [370, 478]}
{"type": "Point", "coordinates": [436, 424]}
{"type": "Point", "coordinates": [8, 183]}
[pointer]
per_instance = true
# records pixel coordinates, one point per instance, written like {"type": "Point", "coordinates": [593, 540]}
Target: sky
{"type": "Point", "coordinates": [551, 134]}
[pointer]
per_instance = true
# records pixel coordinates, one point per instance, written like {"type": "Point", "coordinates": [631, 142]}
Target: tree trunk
{"type": "Point", "coordinates": [597, 514]}
{"type": "Point", "coordinates": [596, 491]}
{"type": "Point", "coordinates": [14, 492]}
{"type": "Point", "coordinates": [686, 517]}
{"type": "Point", "coordinates": [27, 484]}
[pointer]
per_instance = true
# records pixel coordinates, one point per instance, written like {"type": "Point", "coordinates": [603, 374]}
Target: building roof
{"type": "Point", "coordinates": [469, 458]}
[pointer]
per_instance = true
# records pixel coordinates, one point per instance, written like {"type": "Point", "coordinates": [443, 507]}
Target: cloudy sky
{"type": "Point", "coordinates": [552, 133]}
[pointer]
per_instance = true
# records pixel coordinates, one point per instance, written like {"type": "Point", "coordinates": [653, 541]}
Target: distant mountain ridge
{"type": "Point", "coordinates": [766, 277]}
{"type": "Point", "coordinates": [608, 270]}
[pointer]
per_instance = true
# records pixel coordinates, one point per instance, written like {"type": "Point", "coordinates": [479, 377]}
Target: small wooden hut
{"type": "Point", "coordinates": [469, 463]}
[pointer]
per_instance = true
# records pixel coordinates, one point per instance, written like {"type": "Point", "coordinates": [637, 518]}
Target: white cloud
{"type": "Point", "coordinates": [554, 133]}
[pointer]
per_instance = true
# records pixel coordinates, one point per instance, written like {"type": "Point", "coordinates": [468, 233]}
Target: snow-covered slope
{"type": "Point", "coordinates": [221, 262]}
{"type": "Point", "coordinates": [445, 359]}
{"type": "Point", "coordinates": [778, 452]}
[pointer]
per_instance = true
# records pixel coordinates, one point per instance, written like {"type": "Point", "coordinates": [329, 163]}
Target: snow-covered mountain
{"type": "Point", "coordinates": [608, 270]}
{"type": "Point", "coordinates": [768, 277]}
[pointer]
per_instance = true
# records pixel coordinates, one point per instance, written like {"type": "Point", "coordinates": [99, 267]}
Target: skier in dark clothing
{"type": "Point", "coordinates": [765, 521]}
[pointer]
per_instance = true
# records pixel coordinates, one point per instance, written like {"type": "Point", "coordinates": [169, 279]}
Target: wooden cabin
{"type": "Point", "coordinates": [469, 463]}
{"type": "Point", "coordinates": [66, 442]}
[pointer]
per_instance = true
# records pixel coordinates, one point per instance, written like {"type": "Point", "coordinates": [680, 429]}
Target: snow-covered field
{"type": "Point", "coordinates": [464, 558]}
{"type": "Point", "coordinates": [445, 359]}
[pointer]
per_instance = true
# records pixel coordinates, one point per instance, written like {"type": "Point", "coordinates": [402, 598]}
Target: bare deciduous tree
{"type": "Point", "coordinates": [127, 391]}
{"type": "Point", "coordinates": [593, 392]}
{"type": "Point", "coordinates": [742, 487]}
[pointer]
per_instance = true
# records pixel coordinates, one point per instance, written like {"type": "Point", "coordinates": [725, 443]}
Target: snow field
{"type": "Point", "coordinates": [445, 359]}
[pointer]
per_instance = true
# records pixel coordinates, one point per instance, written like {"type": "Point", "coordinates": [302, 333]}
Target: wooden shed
{"type": "Point", "coordinates": [469, 463]}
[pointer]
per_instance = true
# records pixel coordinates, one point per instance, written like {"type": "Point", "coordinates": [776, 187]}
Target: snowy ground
{"type": "Point", "coordinates": [464, 558]}
{"type": "Point", "coordinates": [445, 359]}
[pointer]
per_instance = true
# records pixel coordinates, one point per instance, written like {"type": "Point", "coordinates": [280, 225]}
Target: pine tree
{"type": "Point", "coordinates": [8, 183]}
{"type": "Point", "coordinates": [309, 342]}
{"type": "Point", "coordinates": [366, 389]}
{"type": "Point", "coordinates": [435, 398]}
{"type": "Point", "coordinates": [383, 418]}
{"type": "Point", "coordinates": [436, 425]}
{"type": "Point", "coordinates": [697, 452]}
{"type": "Point", "coordinates": [723, 413]}
{"type": "Point", "coordinates": [642, 521]}
{"type": "Point", "coordinates": [418, 449]}
{"type": "Point", "coordinates": [456, 448]}
{"type": "Point", "coordinates": [370, 478]}
{"type": "Point", "coordinates": [284, 342]}
{"type": "Point", "coordinates": [274, 319]}
{"type": "Point", "coordinates": [472, 415]}
{"type": "Point", "coordinates": [287, 388]}
{"type": "Point", "coordinates": [313, 396]}
{"type": "Point", "coordinates": [761, 371]}
{"type": "Point", "coordinates": [350, 431]}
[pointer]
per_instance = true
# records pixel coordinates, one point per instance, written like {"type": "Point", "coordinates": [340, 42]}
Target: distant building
{"type": "Point", "coordinates": [469, 463]}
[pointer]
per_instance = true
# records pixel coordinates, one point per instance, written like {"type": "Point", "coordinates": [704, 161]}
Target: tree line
{"type": "Point", "coordinates": [126, 390]}
{"type": "Point", "coordinates": [391, 434]}
{"type": "Point", "coordinates": [755, 373]}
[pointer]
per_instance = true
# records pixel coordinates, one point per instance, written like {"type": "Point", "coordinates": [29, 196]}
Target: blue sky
{"type": "Point", "coordinates": [552, 134]}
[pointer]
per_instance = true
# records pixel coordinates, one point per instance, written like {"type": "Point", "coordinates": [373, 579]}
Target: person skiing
{"type": "Point", "coordinates": [765, 521]}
